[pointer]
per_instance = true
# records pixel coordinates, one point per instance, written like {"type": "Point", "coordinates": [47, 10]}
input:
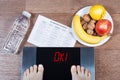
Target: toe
{"type": "Point", "coordinates": [40, 68]}
{"type": "Point", "coordinates": [25, 76]}
{"type": "Point", "coordinates": [40, 72]}
{"type": "Point", "coordinates": [82, 70]}
{"type": "Point", "coordinates": [73, 70]}
{"type": "Point", "coordinates": [86, 72]}
{"type": "Point", "coordinates": [27, 72]}
{"type": "Point", "coordinates": [78, 69]}
{"type": "Point", "coordinates": [90, 76]}
{"type": "Point", "coordinates": [35, 68]}
{"type": "Point", "coordinates": [31, 69]}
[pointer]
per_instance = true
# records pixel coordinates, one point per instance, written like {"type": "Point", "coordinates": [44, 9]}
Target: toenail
{"type": "Point", "coordinates": [73, 66]}
{"type": "Point", "coordinates": [35, 66]}
{"type": "Point", "coordinates": [41, 68]}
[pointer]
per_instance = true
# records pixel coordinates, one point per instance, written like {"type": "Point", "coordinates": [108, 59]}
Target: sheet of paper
{"type": "Point", "coordinates": [49, 33]}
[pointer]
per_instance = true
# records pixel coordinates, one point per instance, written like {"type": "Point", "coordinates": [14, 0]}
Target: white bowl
{"type": "Point", "coordinates": [83, 11]}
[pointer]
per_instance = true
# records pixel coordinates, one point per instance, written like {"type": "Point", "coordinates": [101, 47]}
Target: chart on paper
{"type": "Point", "coordinates": [49, 33]}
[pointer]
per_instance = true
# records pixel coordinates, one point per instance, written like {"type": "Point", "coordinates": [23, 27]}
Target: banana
{"type": "Point", "coordinates": [82, 34]}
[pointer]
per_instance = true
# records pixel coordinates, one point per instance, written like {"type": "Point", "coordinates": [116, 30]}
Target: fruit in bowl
{"type": "Point", "coordinates": [97, 12]}
{"type": "Point", "coordinates": [82, 34]}
{"type": "Point", "coordinates": [103, 27]}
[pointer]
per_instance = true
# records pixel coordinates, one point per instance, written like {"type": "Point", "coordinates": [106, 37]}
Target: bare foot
{"type": "Point", "coordinates": [79, 73]}
{"type": "Point", "coordinates": [34, 73]}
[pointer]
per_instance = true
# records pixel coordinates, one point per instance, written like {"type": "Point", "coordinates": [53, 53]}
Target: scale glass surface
{"type": "Point", "coordinates": [58, 61]}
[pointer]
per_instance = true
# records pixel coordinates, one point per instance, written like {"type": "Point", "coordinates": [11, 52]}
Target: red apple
{"type": "Point", "coordinates": [103, 27]}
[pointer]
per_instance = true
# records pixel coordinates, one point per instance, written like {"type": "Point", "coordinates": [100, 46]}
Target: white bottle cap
{"type": "Point", "coordinates": [27, 14]}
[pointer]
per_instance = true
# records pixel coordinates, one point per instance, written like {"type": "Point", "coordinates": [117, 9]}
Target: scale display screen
{"type": "Point", "coordinates": [57, 62]}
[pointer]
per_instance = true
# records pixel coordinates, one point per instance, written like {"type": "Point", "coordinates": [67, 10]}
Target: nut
{"type": "Point", "coordinates": [86, 17]}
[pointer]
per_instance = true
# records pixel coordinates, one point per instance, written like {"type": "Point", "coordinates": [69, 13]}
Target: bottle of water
{"type": "Point", "coordinates": [17, 34]}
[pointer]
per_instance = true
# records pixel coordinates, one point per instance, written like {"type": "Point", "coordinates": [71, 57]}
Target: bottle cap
{"type": "Point", "coordinates": [27, 14]}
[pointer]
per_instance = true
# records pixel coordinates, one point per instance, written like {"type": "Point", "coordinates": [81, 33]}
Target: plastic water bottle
{"type": "Point", "coordinates": [17, 34]}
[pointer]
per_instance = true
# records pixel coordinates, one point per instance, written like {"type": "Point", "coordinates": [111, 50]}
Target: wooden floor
{"type": "Point", "coordinates": [107, 56]}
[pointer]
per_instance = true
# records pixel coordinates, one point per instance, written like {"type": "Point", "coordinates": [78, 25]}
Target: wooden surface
{"type": "Point", "coordinates": [107, 56]}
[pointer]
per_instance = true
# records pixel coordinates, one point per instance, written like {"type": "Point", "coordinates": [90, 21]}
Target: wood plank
{"type": "Point", "coordinates": [68, 6]}
{"type": "Point", "coordinates": [107, 64]}
{"type": "Point", "coordinates": [10, 67]}
{"type": "Point", "coordinates": [10, 6]}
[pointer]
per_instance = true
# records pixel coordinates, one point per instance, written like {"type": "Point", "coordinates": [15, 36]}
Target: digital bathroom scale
{"type": "Point", "coordinates": [58, 61]}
